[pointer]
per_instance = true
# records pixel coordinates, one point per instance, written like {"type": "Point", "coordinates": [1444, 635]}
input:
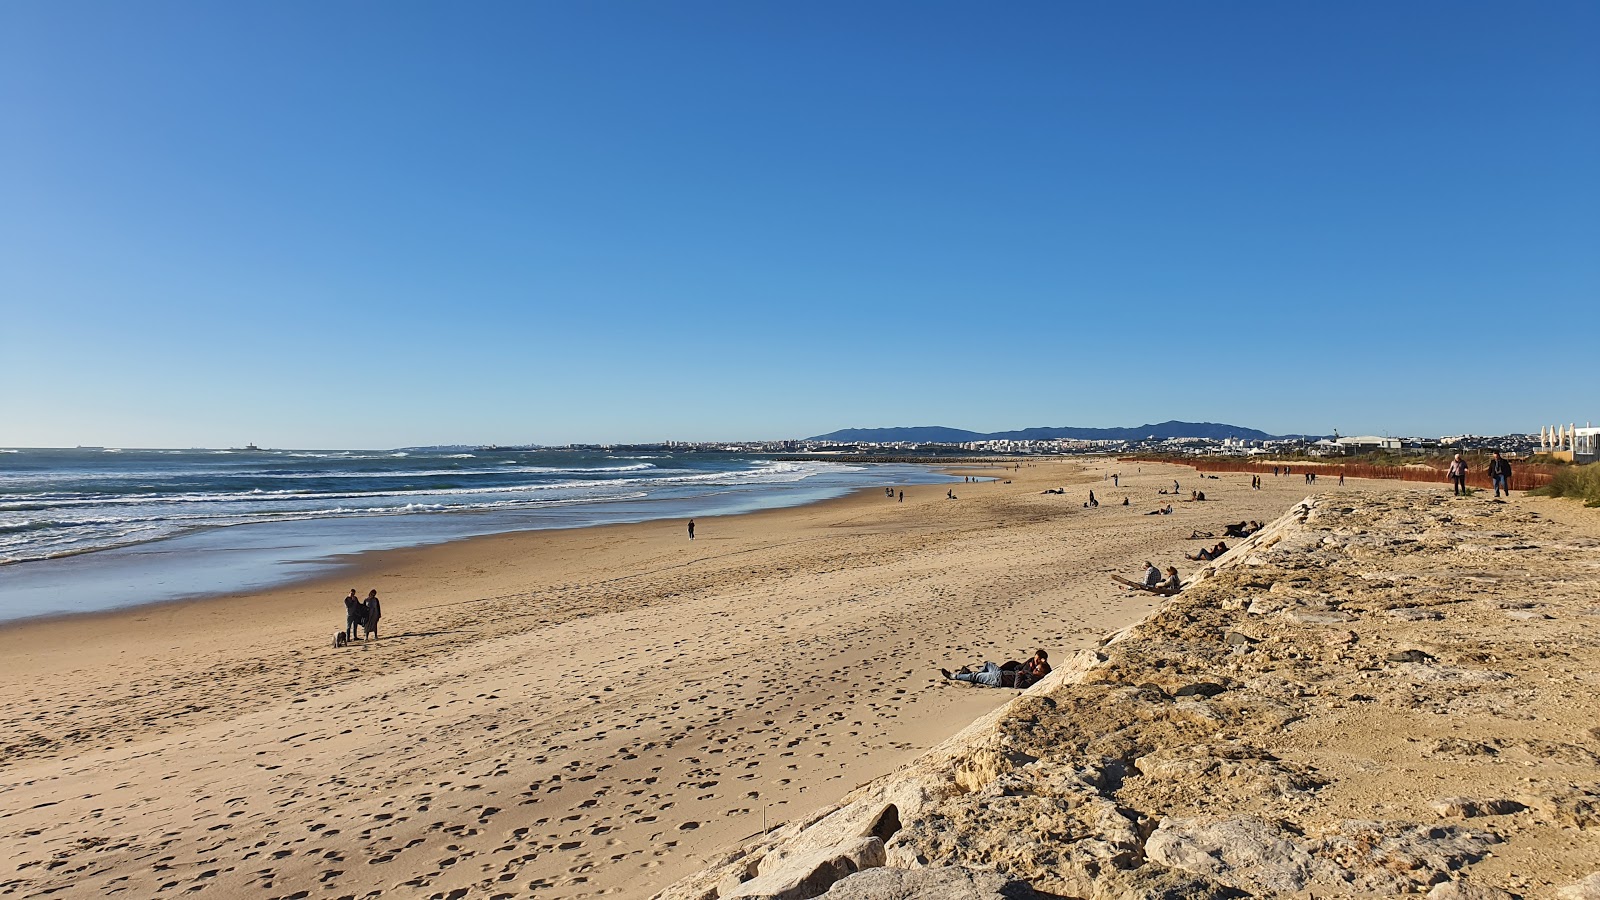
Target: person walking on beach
{"type": "Point", "coordinates": [902, 497]}
{"type": "Point", "coordinates": [1458, 475]}
{"type": "Point", "coordinates": [691, 529]}
{"type": "Point", "coordinates": [1500, 474]}
{"type": "Point", "coordinates": [374, 612]}
{"type": "Point", "coordinates": [1114, 479]}
{"type": "Point", "coordinates": [355, 615]}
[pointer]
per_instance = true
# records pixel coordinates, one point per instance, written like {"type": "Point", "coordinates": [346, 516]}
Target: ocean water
{"type": "Point", "coordinates": [92, 528]}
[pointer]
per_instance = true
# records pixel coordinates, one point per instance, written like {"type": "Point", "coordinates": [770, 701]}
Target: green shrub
{"type": "Point", "coordinates": [1577, 483]}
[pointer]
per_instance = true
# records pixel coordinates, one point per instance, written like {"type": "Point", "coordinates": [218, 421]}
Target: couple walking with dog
{"type": "Point", "coordinates": [362, 614]}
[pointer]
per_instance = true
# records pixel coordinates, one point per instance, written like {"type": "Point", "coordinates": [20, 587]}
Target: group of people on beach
{"type": "Point", "coordinates": [363, 614]}
{"type": "Point", "coordinates": [1499, 475]}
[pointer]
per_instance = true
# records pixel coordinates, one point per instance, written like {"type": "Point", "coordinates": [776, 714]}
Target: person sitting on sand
{"type": "Point", "coordinates": [1172, 585]}
{"type": "Point", "coordinates": [1152, 575]}
{"type": "Point", "coordinates": [1124, 501]}
{"type": "Point", "coordinates": [1011, 675]}
{"type": "Point", "coordinates": [1149, 580]}
{"type": "Point", "coordinates": [1163, 511]}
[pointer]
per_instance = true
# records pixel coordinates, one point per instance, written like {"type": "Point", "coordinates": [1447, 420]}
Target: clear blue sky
{"type": "Point", "coordinates": [383, 223]}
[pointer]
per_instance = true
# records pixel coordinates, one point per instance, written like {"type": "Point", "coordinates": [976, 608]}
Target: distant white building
{"type": "Point", "coordinates": [1580, 445]}
{"type": "Point", "coordinates": [1369, 442]}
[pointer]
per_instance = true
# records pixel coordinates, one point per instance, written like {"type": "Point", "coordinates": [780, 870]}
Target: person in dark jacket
{"type": "Point", "coordinates": [355, 615]}
{"type": "Point", "coordinates": [1500, 474]}
{"type": "Point", "coordinates": [374, 611]}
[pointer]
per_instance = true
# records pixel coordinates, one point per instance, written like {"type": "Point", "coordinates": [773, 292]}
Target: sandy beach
{"type": "Point", "coordinates": [1385, 692]}
{"type": "Point", "coordinates": [557, 714]}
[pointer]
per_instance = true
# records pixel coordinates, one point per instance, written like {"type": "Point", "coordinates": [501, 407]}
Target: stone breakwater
{"type": "Point", "coordinates": [1378, 694]}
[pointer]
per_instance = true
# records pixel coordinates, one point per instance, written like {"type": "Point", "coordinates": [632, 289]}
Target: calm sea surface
{"type": "Point", "coordinates": [90, 529]}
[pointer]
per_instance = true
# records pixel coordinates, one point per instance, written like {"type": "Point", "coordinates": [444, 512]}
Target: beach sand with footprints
{"type": "Point", "coordinates": [557, 714]}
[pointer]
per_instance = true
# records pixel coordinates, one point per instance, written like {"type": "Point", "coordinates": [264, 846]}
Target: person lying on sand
{"type": "Point", "coordinates": [1243, 529]}
{"type": "Point", "coordinates": [1197, 535]}
{"type": "Point", "coordinates": [1163, 511]}
{"type": "Point", "coordinates": [1207, 555]}
{"type": "Point", "coordinates": [1012, 674]}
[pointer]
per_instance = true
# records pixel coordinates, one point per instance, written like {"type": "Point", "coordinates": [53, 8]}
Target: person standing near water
{"type": "Point", "coordinates": [691, 529]}
{"type": "Point", "coordinates": [374, 611]}
{"type": "Point", "coordinates": [354, 615]}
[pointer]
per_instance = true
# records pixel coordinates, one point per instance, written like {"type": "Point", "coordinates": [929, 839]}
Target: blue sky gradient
{"type": "Point", "coordinates": [381, 224]}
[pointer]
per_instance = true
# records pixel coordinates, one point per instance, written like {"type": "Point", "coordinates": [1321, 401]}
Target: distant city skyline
{"type": "Point", "coordinates": [352, 226]}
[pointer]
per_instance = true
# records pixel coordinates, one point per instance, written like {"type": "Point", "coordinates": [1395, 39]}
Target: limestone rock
{"type": "Point", "coordinates": [1469, 808]}
{"type": "Point", "coordinates": [940, 883]}
{"type": "Point", "coordinates": [1409, 656]}
{"type": "Point", "coordinates": [1460, 747]}
{"type": "Point", "coordinates": [801, 877]}
{"type": "Point", "coordinates": [1525, 615]}
{"type": "Point", "coordinates": [1400, 857]}
{"type": "Point", "coordinates": [1413, 614]}
{"type": "Point", "coordinates": [1578, 806]}
{"type": "Point", "coordinates": [1153, 882]}
{"type": "Point", "coordinates": [1243, 852]}
{"type": "Point", "coordinates": [1587, 889]}
{"type": "Point", "coordinates": [1317, 617]}
{"type": "Point", "coordinates": [1200, 689]}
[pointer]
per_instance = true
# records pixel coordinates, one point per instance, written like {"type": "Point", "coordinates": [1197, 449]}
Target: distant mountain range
{"type": "Point", "coordinates": [934, 434]}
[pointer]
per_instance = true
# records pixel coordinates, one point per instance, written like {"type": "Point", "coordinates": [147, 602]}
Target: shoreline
{"type": "Point", "coordinates": [363, 566]}
{"type": "Point", "coordinates": [591, 710]}
{"type": "Point", "coordinates": [337, 566]}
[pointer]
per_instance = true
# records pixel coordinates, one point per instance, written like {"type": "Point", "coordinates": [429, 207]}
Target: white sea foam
{"type": "Point", "coordinates": [65, 521]}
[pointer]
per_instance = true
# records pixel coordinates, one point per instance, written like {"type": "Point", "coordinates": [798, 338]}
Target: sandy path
{"type": "Point", "coordinates": [555, 714]}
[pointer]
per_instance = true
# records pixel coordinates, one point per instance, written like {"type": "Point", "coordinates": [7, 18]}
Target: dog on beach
{"type": "Point", "coordinates": [340, 639]}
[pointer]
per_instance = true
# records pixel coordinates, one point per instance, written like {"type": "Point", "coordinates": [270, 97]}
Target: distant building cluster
{"type": "Point", "coordinates": [1514, 444]}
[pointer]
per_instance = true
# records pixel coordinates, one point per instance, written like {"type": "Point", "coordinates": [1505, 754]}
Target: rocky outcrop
{"type": "Point", "coordinates": [1294, 721]}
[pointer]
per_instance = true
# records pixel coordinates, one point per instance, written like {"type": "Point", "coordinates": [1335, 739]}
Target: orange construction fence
{"type": "Point", "coordinates": [1524, 476]}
